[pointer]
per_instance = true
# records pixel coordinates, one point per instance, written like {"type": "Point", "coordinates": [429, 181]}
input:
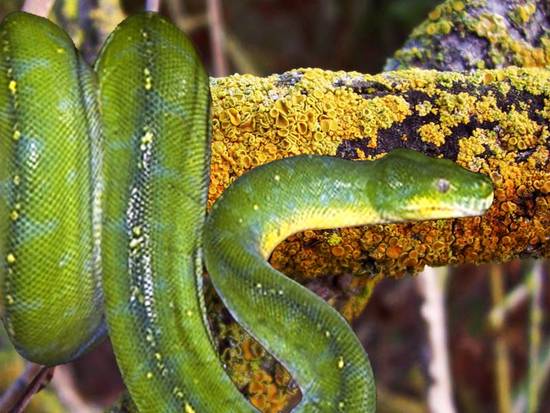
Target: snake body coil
{"type": "Point", "coordinates": [103, 183]}
{"type": "Point", "coordinates": [154, 100]}
{"type": "Point", "coordinates": [50, 216]}
{"type": "Point", "coordinates": [276, 200]}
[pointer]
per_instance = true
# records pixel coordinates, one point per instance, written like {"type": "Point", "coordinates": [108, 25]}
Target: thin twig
{"type": "Point", "coordinates": [217, 37]}
{"type": "Point", "coordinates": [38, 7]}
{"type": "Point", "coordinates": [520, 400]}
{"type": "Point", "coordinates": [511, 302]}
{"type": "Point", "coordinates": [239, 57]}
{"type": "Point", "coordinates": [175, 9]}
{"type": "Point", "coordinates": [502, 359]}
{"type": "Point", "coordinates": [535, 325]}
{"type": "Point", "coordinates": [433, 310]}
{"type": "Point", "coordinates": [18, 395]}
{"type": "Point", "coordinates": [152, 5]}
{"type": "Point", "coordinates": [192, 23]}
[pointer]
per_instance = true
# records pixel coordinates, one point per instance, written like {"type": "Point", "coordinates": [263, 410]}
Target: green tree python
{"type": "Point", "coordinates": [103, 185]}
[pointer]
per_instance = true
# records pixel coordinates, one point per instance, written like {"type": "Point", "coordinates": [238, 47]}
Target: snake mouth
{"type": "Point", "coordinates": [426, 211]}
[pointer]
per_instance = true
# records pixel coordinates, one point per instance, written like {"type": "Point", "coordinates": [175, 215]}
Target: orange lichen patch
{"type": "Point", "coordinates": [456, 109]}
{"type": "Point", "coordinates": [251, 350]}
{"type": "Point", "coordinates": [266, 383]}
{"type": "Point", "coordinates": [521, 131]}
{"type": "Point", "coordinates": [335, 108]}
{"type": "Point", "coordinates": [259, 120]}
{"type": "Point", "coordinates": [494, 122]}
{"type": "Point", "coordinates": [264, 394]}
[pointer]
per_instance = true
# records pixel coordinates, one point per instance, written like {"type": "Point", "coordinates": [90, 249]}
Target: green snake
{"type": "Point", "coordinates": [103, 188]}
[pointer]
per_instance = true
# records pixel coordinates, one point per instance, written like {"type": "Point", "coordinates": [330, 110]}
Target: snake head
{"type": "Point", "coordinates": [417, 187]}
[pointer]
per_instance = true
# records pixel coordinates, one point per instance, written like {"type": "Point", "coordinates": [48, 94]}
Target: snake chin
{"type": "Point", "coordinates": [425, 211]}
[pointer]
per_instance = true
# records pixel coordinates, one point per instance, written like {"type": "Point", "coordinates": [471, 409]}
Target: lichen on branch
{"type": "Point", "coordinates": [464, 35]}
{"type": "Point", "coordinates": [493, 121]}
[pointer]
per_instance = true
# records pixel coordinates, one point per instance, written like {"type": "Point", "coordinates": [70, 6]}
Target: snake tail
{"type": "Point", "coordinates": [273, 201]}
{"type": "Point", "coordinates": [154, 99]}
{"type": "Point", "coordinates": [50, 185]}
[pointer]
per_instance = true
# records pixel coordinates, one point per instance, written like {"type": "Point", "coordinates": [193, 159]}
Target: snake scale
{"type": "Point", "coordinates": [103, 186]}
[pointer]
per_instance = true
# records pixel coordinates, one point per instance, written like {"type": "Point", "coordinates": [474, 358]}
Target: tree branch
{"type": "Point", "coordinates": [494, 122]}
{"type": "Point", "coordinates": [217, 37]}
{"type": "Point", "coordinates": [470, 34]}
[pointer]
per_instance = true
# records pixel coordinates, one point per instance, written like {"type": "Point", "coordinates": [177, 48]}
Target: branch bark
{"type": "Point", "coordinates": [468, 35]}
{"type": "Point", "coordinates": [494, 122]}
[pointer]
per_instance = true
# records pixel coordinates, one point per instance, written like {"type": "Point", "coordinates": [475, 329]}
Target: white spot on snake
{"type": "Point", "coordinates": [149, 375]}
{"type": "Point", "coordinates": [16, 135]}
{"type": "Point", "coordinates": [16, 180]}
{"type": "Point", "coordinates": [71, 176]}
{"type": "Point", "coordinates": [341, 405]}
{"type": "Point", "coordinates": [10, 258]}
{"type": "Point", "coordinates": [33, 149]}
{"type": "Point", "coordinates": [12, 86]}
{"type": "Point", "coordinates": [14, 215]}
{"type": "Point", "coordinates": [134, 243]}
{"type": "Point", "coordinates": [341, 363]}
{"type": "Point", "coordinates": [177, 392]}
{"type": "Point", "coordinates": [277, 178]}
{"type": "Point", "coordinates": [148, 79]}
{"type": "Point", "coordinates": [256, 207]}
{"type": "Point", "coordinates": [64, 260]}
{"type": "Point", "coordinates": [258, 285]}
{"type": "Point", "coordinates": [9, 299]}
{"type": "Point", "coordinates": [341, 184]}
{"type": "Point", "coordinates": [134, 292]}
{"type": "Point", "coordinates": [189, 408]}
{"type": "Point", "coordinates": [189, 313]}
{"type": "Point", "coordinates": [147, 138]}
{"type": "Point", "coordinates": [327, 334]}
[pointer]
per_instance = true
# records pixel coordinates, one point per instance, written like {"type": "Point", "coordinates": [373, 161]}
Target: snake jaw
{"type": "Point", "coordinates": [425, 209]}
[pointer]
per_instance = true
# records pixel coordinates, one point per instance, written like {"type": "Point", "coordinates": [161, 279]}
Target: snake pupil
{"type": "Point", "coordinates": [443, 185]}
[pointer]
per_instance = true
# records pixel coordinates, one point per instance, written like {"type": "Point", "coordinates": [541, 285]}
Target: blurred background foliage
{"type": "Point", "coordinates": [278, 35]}
{"type": "Point", "coordinates": [272, 36]}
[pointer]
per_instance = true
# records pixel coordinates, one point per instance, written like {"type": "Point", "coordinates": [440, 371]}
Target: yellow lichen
{"type": "Point", "coordinates": [494, 122]}
{"type": "Point", "coordinates": [434, 133]}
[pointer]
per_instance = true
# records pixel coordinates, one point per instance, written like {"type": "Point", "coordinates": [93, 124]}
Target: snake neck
{"type": "Point", "coordinates": [326, 193]}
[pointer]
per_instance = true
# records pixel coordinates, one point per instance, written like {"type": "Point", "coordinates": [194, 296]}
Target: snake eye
{"type": "Point", "coordinates": [443, 185]}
